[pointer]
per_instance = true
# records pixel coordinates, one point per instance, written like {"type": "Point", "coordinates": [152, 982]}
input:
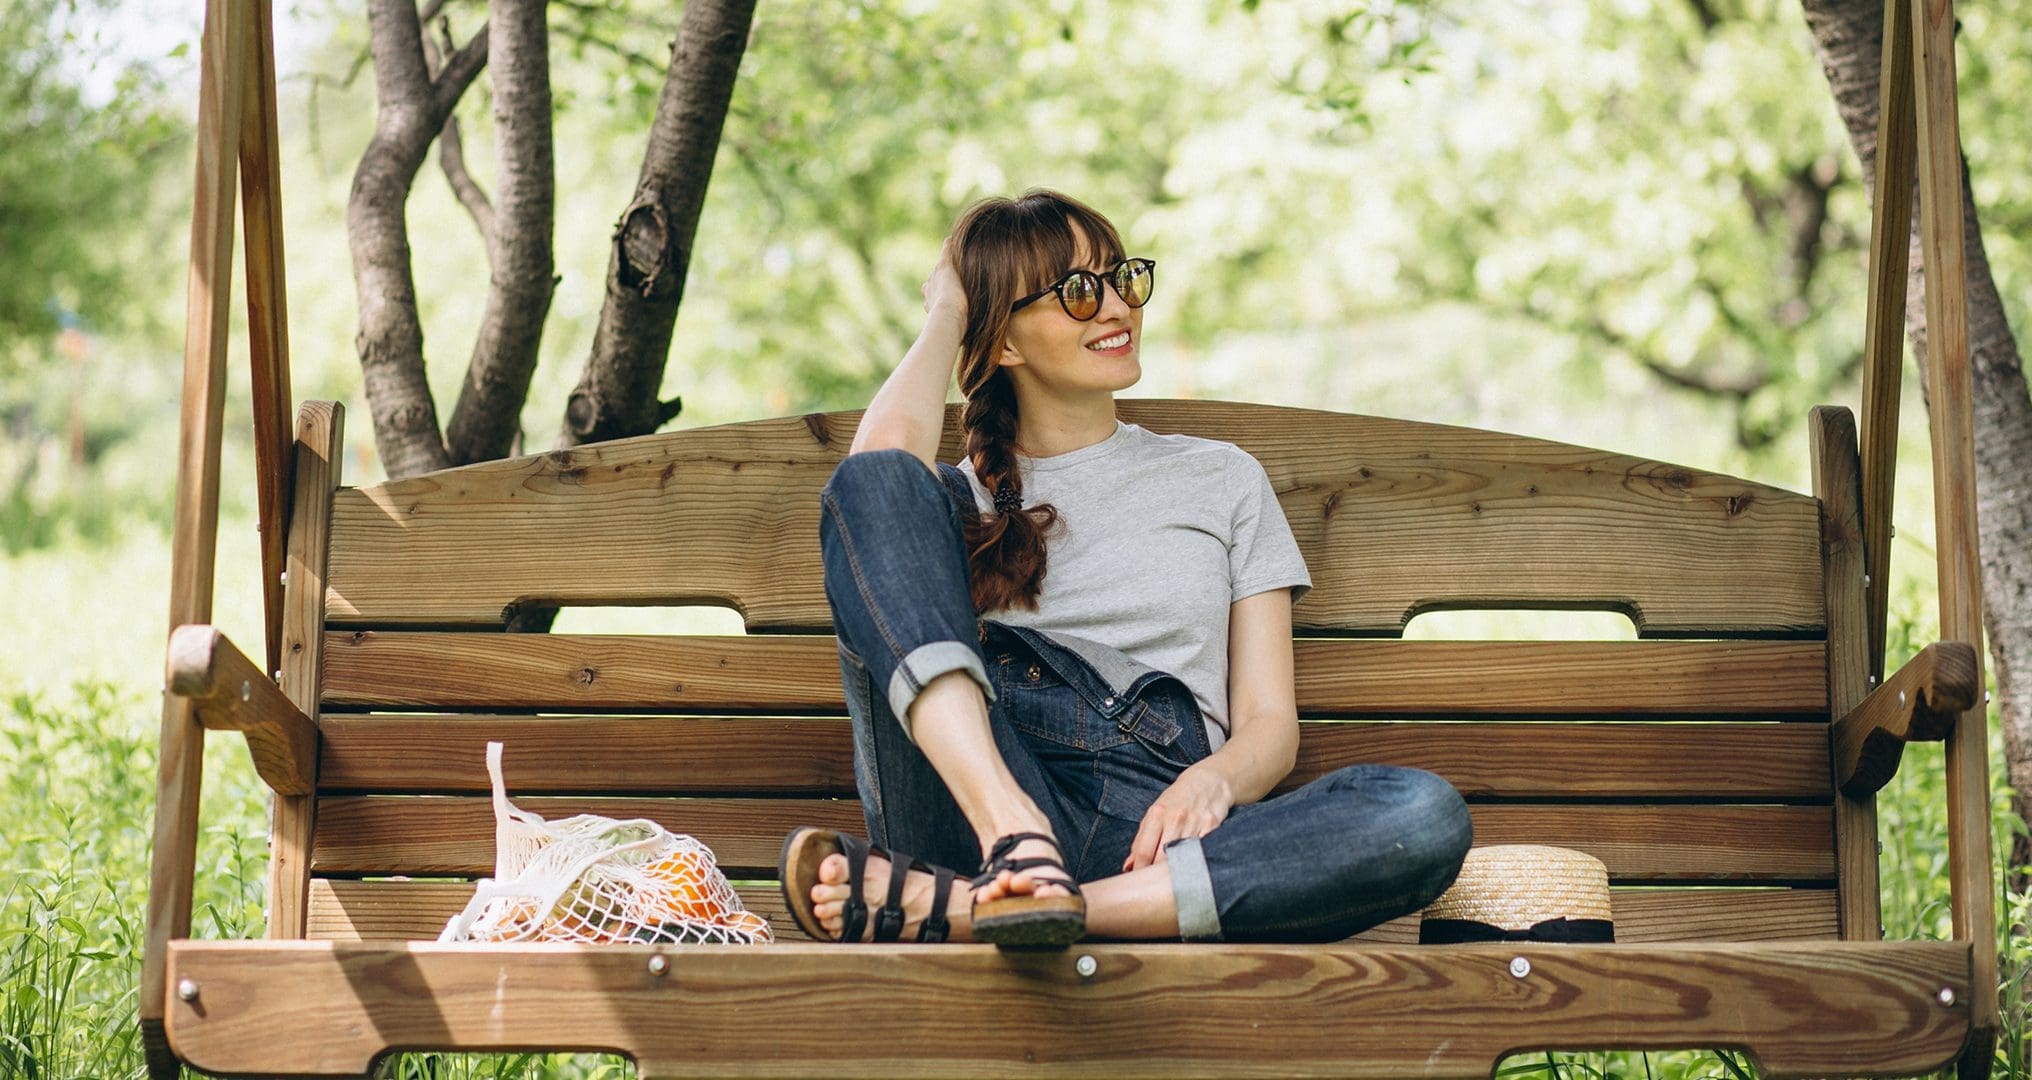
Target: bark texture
{"type": "Point", "coordinates": [1849, 34]}
{"type": "Point", "coordinates": [411, 108]}
{"type": "Point", "coordinates": [616, 394]}
{"type": "Point", "coordinates": [488, 416]}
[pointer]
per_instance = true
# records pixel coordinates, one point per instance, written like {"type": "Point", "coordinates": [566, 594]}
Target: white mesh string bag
{"type": "Point", "coordinates": [592, 878]}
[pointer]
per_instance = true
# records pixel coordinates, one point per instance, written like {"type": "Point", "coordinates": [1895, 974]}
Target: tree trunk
{"type": "Point", "coordinates": [616, 394]}
{"type": "Point", "coordinates": [489, 412]}
{"type": "Point", "coordinates": [411, 107]}
{"type": "Point", "coordinates": [1849, 34]}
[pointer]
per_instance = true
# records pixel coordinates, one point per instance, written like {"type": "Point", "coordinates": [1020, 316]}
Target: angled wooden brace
{"type": "Point", "coordinates": [1918, 704]}
{"type": "Point", "coordinates": [229, 692]}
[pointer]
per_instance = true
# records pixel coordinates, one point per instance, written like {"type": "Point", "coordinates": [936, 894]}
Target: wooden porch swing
{"type": "Point", "coordinates": [1724, 766]}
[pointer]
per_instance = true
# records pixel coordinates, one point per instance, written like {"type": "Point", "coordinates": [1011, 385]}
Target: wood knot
{"type": "Point", "coordinates": [587, 675]}
{"type": "Point", "coordinates": [821, 431]}
{"type": "Point", "coordinates": [360, 636]}
{"type": "Point", "coordinates": [663, 477]}
{"type": "Point", "coordinates": [1736, 504]}
{"type": "Point", "coordinates": [1333, 503]}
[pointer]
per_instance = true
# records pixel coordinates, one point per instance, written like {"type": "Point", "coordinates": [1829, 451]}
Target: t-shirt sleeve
{"type": "Point", "coordinates": [1262, 553]}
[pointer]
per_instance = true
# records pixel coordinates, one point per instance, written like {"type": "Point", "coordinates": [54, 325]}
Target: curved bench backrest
{"type": "Point", "coordinates": [1394, 517]}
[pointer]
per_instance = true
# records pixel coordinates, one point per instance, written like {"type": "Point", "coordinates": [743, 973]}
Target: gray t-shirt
{"type": "Point", "coordinates": [1158, 536]}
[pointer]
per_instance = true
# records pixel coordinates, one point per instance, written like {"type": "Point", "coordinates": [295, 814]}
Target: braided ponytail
{"type": "Point", "coordinates": [1005, 249]}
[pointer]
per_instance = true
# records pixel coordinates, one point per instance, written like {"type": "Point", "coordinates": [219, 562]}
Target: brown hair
{"type": "Point", "coordinates": [1005, 249]}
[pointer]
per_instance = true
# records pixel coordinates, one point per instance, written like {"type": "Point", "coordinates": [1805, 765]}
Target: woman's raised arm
{"type": "Point", "coordinates": [908, 412]}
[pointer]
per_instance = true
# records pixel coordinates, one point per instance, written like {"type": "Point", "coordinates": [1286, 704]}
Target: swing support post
{"type": "Point", "coordinates": [237, 152]}
{"type": "Point", "coordinates": [1918, 136]}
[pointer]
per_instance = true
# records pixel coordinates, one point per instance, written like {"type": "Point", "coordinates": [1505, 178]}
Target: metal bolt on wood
{"type": "Point", "coordinates": [658, 965]}
{"type": "Point", "coordinates": [1519, 966]}
{"type": "Point", "coordinates": [187, 989]}
{"type": "Point", "coordinates": [1946, 995]}
{"type": "Point", "coordinates": [1086, 966]}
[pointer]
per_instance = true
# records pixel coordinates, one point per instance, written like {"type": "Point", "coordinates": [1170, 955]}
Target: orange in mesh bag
{"type": "Point", "coordinates": [592, 878]}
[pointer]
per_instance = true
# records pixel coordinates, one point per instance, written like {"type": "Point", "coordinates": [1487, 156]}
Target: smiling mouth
{"type": "Point", "coordinates": [1108, 344]}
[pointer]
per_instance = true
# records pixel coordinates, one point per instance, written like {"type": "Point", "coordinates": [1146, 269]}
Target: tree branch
{"type": "Point", "coordinates": [460, 69]}
{"type": "Point", "coordinates": [617, 393]}
{"type": "Point", "coordinates": [488, 416]}
{"type": "Point", "coordinates": [451, 153]}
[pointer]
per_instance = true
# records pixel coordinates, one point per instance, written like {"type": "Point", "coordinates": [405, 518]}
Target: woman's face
{"type": "Point", "coordinates": [1045, 350]}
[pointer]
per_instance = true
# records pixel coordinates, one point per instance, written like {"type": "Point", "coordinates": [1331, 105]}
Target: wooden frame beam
{"type": "Point", "coordinates": [194, 535]}
{"type": "Point", "coordinates": [1837, 483]}
{"type": "Point", "coordinates": [1141, 1010]}
{"type": "Point", "coordinates": [1884, 344]}
{"type": "Point", "coordinates": [267, 309]}
{"type": "Point", "coordinates": [1918, 704]}
{"type": "Point", "coordinates": [229, 692]}
{"type": "Point", "coordinates": [320, 428]}
{"type": "Point", "coordinates": [1951, 399]}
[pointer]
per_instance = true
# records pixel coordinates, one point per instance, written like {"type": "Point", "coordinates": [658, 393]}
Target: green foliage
{"type": "Point", "coordinates": [75, 176]}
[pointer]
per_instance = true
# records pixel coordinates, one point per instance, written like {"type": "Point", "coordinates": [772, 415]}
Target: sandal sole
{"type": "Point", "coordinates": [1052, 922]}
{"type": "Point", "coordinates": [797, 871]}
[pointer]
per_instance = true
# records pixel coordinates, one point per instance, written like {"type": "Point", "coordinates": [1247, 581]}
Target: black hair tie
{"type": "Point", "coordinates": [1007, 499]}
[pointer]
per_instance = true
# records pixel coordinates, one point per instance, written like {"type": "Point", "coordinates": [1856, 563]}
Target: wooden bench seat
{"type": "Point", "coordinates": [1695, 762]}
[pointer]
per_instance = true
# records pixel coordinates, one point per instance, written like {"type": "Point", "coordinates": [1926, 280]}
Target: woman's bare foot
{"type": "Point", "coordinates": [829, 898]}
{"type": "Point", "coordinates": [1040, 881]}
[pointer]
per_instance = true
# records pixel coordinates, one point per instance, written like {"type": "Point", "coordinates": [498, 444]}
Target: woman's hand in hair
{"type": "Point", "coordinates": [943, 289]}
{"type": "Point", "coordinates": [1194, 805]}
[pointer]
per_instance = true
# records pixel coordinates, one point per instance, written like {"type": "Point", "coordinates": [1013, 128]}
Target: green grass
{"type": "Point", "coordinates": [77, 780]}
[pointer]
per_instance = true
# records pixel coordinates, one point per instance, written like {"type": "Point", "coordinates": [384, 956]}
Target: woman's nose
{"type": "Point", "coordinates": [1111, 301]}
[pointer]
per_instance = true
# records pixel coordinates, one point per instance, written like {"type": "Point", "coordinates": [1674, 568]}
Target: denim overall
{"type": "Point", "coordinates": [1094, 737]}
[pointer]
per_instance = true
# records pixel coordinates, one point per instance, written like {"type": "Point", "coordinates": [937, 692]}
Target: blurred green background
{"type": "Point", "coordinates": [1509, 216]}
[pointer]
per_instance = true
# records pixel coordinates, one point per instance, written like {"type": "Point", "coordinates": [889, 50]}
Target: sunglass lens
{"type": "Point", "coordinates": [1134, 280]}
{"type": "Point", "coordinates": [1082, 294]}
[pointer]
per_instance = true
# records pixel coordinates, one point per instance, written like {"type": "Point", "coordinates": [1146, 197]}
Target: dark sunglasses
{"type": "Point", "coordinates": [1079, 292]}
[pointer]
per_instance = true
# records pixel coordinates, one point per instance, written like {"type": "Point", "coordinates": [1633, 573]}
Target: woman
{"type": "Point", "coordinates": [1069, 659]}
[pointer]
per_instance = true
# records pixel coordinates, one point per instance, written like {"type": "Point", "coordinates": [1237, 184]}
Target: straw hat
{"type": "Point", "coordinates": [1523, 892]}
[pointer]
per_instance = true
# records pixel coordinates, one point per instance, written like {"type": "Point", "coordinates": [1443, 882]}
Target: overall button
{"type": "Point", "coordinates": [1033, 673]}
{"type": "Point", "coordinates": [1108, 702]}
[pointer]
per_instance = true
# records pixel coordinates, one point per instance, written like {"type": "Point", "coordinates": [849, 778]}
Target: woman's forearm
{"type": "Point", "coordinates": [908, 412]}
{"type": "Point", "coordinates": [1255, 759]}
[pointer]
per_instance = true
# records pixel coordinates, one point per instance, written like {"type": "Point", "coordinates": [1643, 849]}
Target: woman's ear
{"type": "Point", "coordinates": [1008, 356]}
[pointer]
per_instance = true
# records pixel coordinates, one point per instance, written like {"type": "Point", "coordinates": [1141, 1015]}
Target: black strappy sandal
{"type": "Point", "coordinates": [1051, 922]}
{"type": "Point", "coordinates": [807, 846]}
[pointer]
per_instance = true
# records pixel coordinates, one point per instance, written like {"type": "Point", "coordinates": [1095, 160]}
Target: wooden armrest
{"type": "Point", "coordinates": [1919, 703]}
{"type": "Point", "coordinates": [230, 693]}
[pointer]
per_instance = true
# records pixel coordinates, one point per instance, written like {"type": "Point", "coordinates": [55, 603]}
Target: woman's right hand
{"type": "Point", "coordinates": [943, 289]}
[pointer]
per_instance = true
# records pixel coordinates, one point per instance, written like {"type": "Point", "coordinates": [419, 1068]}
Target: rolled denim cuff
{"type": "Point", "coordinates": [928, 662]}
{"type": "Point", "coordinates": [1193, 890]}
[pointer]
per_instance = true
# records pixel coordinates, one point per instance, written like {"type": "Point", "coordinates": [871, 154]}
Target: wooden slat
{"type": "Point", "coordinates": [1832, 1008]}
{"type": "Point", "coordinates": [1334, 676]}
{"type": "Point", "coordinates": [1393, 517]}
{"type": "Point", "coordinates": [320, 428]}
{"type": "Point", "coordinates": [342, 910]}
{"type": "Point", "coordinates": [1837, 484]}
{"type": "Point", "coordinates": [194, 533]}
{"type": "Point", "coordinates": [701, 755]}
{"type": "Point", "coordinates": [1950, 410]}
{"type": "Point", "coordinates": [231, 694]}
{"type": "Point", "coordinates": [1918, 704]}
{"type": "Point", "coordinates": [454, 835]}
{"type": "Point", "coordinates": [1884, 343]}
